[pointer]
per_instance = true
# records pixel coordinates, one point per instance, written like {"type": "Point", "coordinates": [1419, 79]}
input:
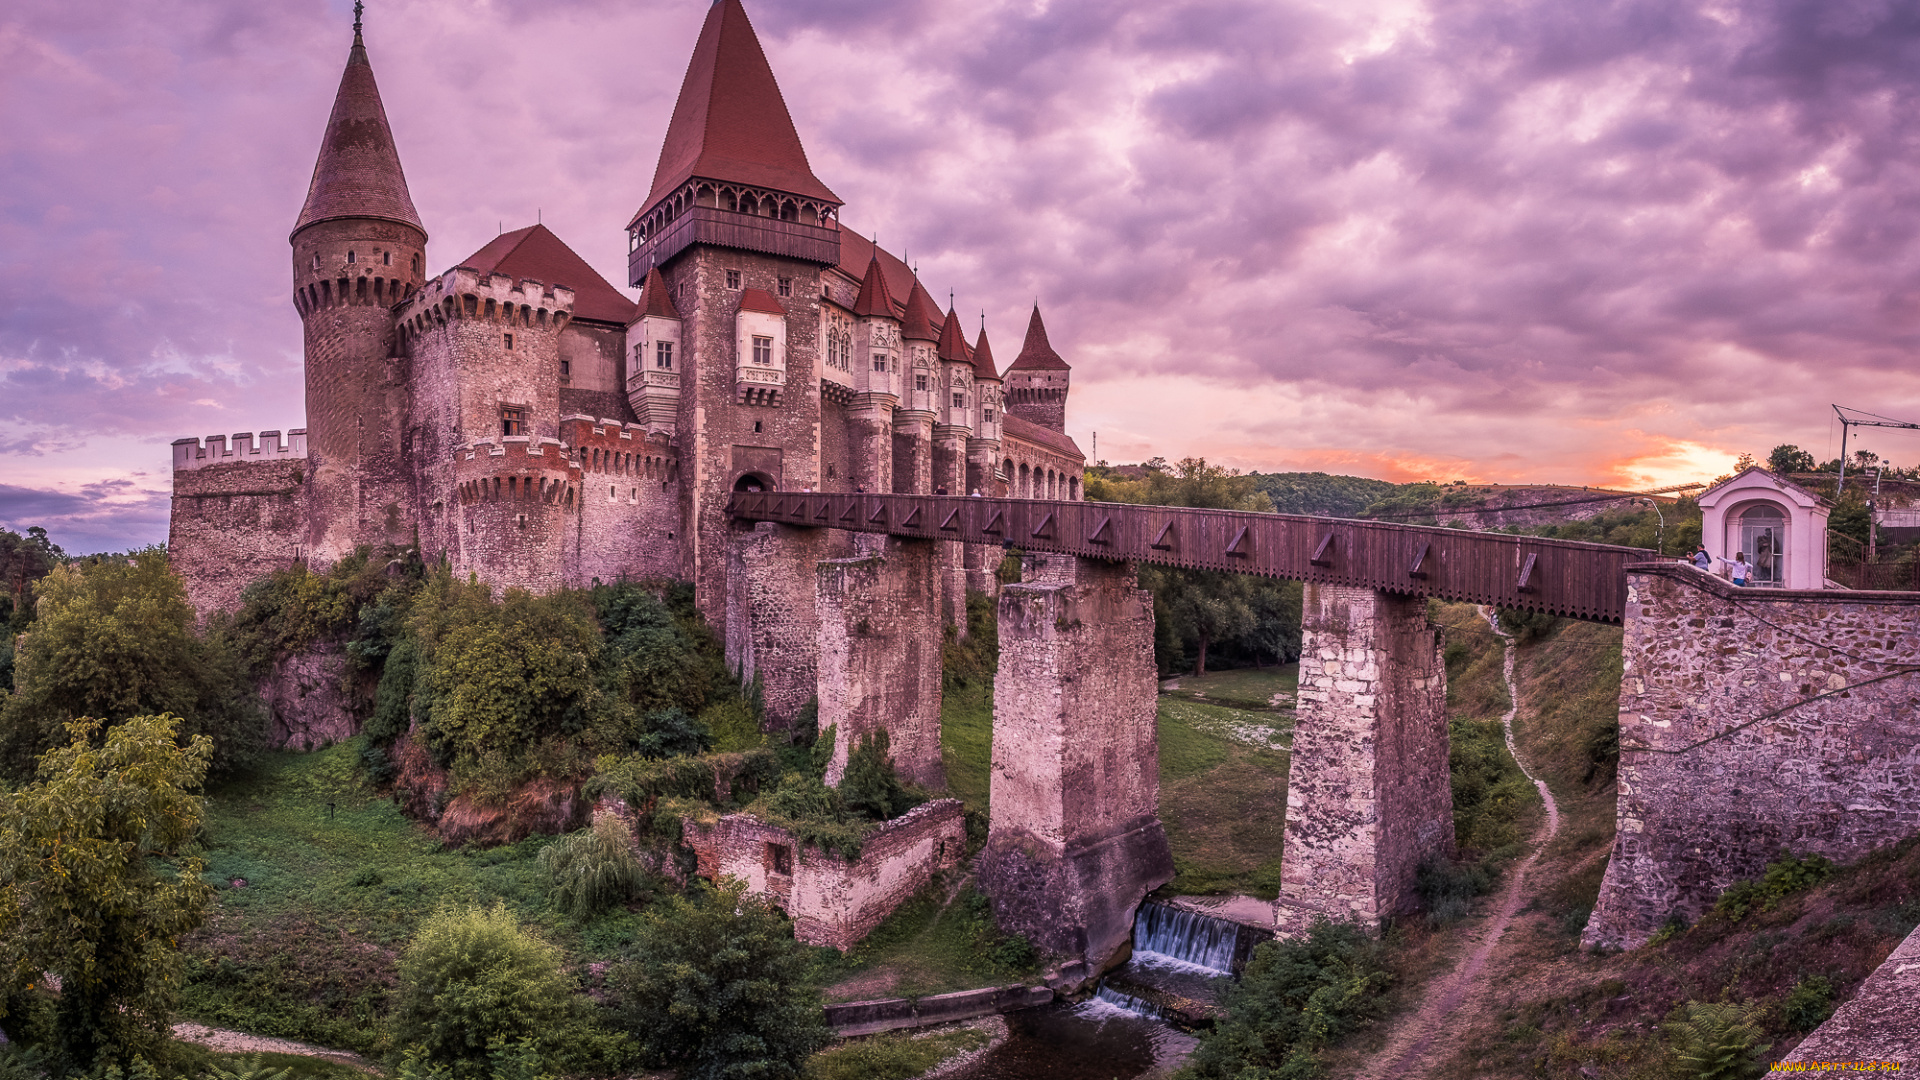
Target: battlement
{"type": "Point", "coordinates": [191, 454]}
{"type": "Point", "coordinates": [613, 447]}
{"type": "Point", "coordinates": [516, 467]}
{"type": "Point", "coordinates": [466, 293]}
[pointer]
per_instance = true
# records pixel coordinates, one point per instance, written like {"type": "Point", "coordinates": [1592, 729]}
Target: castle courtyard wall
{"type": "Point", "coordinates": [1754, 722]}
{"type": "Point", "coordinates": [237, 514]}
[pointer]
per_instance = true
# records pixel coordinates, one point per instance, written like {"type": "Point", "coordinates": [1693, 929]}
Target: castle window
{"type": "Point", "coordinates": [826, 290]}
{"type": "Point", "coordinates": [829, 470]}
{"type": "Point", "coordinates": [780, 859]}
{"type": "Point", "coordinates": [756, 427]}
{"type": "Point", "coordinates": [387, 258]}
{"type": "Point", "coordinates": [879, 361]}
{"type": "Point", "coordinates": [663, 354]}
{"type": "Point", "coordinates": [919, 382]}
{"type": "Point", "coordinates": [509, 339]}
{"type": "Point", "coordinates": [786, 286]}
{"type": "Point", "coordinates": [733, 279]}
{"type": "Point", "coordinates": [959, 401]}
{"type": "Point", "coordinates": [763, 351]}
{"type": "Point", "coordinates": [513, 421]}
{"type": "Point", "coordinates": [566, 368]}
{"type": "Point", "coordinates": [987, 415]}
{"type": "Point", "coordinates": [349, 258]}
{"type": "Point", "coordinates": [316, 260]}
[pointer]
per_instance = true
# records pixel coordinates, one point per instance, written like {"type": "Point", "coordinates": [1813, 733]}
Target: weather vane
{"type": "Point", "coordinates": [358, 7]}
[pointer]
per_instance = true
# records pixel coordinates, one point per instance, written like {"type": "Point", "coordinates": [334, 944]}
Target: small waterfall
{"type": "Point", "coordinates": [1128, 1003]}
{"type": "Point", "coordinates": [1162, 933]}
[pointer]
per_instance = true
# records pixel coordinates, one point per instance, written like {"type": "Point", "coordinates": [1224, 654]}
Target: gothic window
{"type": "Point", "coordinates": [959, 401]}
{"type": "Point", "coordinates": [513, 420]}
{"type": "Point", "coordinates": [763, 351]}
{"type": "Point", "coordinates": [663, 355]}
{"type": "Point", "coordinates": [919, 382]}
{"type": "Point", "coordinates": [786, 286]}
{"type": "Point", "coordinates": [987, 415]}
{"type": "Point", "coordinates": [733, 279]}
{"type": "Point", "coordinates": [879, 361]}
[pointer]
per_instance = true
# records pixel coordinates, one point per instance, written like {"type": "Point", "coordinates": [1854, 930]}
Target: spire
{"type": "Point", "coordinates": [358, 172]}
{"type": "Point", "coordinates": [1036, 354]}
{"type": "Point", "coordinates": [953, 346]}
{"type": "Point", "coordinates": [918, 325]}
{"type": "Point", "coordinates": [983, 357]}
{"type": "Point", "coordinates": [654, 299]}
{"type": "Point", "coordinates": [874, 299]}
{"type": "Point", "coordinates": [730, 122]}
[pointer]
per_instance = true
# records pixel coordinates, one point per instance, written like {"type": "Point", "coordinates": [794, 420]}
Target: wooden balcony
{"type": "Point", "coordinates": [729, 229]}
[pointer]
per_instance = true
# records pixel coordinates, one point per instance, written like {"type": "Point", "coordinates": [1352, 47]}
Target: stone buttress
{"type": "Point", "coordinates": [879, 654]}
{"type": "Point", "coordinates": [1368, 794]}
{"type": "Point", "coordinates": [773, 625]}
{"type": "Point", "coordinates": [1075, 841]}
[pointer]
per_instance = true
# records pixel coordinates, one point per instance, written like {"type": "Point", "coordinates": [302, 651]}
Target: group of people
{"type": "Point", "coordinates": [1742, 570]}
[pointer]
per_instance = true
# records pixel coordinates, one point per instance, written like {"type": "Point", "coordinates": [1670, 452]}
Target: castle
{"type": "Point", "coordinates": [527, 422]}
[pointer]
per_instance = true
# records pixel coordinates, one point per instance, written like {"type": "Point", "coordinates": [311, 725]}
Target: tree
{"type": "Point", "coordinates": [1787, 459]}
{"type": "Point", "coordinates": [720, 989]}
{"type": "Point", "coordinates": [85, 894]}
{"type": "Point", "coordinates": [116, 639]}
{"type": "Point", "coordinates": [472, 981]}
{"type": "Point", "coordinates": [23, 561]}
{"type": "Point", "coordinates": [1293, 998]}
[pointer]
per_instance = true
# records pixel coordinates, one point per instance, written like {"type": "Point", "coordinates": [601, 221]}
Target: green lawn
{"type": "Point", "coordinates": [966, 742]}
{"type": "Point", "coordinates": [1223, 796]}
{"type": "Point", "coordinates": [1247, 688]}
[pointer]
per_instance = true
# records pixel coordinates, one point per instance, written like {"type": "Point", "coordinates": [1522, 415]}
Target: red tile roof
{"type": "Point", "coordinates": [952, 345]}
{"type": "Point", "coordinates": [1015, 427]}
{"type": "Point", "coordinates": [760, 300]}
{"type": "Point", "coordinates": [856, 252]}
{"type": "Point", "coordinates": [655, 301]}
{"type": "Point", "coordinates": [357, 174]}
{"type": "Point", "coordinates": [730, 122]}
{"type": "Point", "coordinates": [1036, 354]}
{"type": "Point", "coordinates": [983, 358]}
{"type": "Point", "coordinates": [921, 317]}
{"type": "Point", "coordinates": [874, 298]}
{"type": "Point", "coordinates": [535, 252]}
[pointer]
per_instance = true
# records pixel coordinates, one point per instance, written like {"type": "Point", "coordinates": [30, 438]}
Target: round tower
{"type": "Point", "coordinates": [358, 250]}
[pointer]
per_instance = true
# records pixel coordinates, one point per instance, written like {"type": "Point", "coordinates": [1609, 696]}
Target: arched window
{"type": "Point", "coordinates": [1762, 536]}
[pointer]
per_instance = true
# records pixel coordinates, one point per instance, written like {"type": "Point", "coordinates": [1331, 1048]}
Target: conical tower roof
{"type": "Point", "coordinates": [358, 172]}
{"type": "Point", "coordinates": [874, 298]}
{"type": "Point", "coordinates": [952, 346]}
{"type": "Point", "coordinates": [983, 358]}
{"type": "Point", "coordinates": [918, 324]}
{"type": "Point", "coordinates": [655, 301]}
{"type": "Point", "coordinates": [1037, 354]}
{"type": "Point", "coordinates": [731, 122]}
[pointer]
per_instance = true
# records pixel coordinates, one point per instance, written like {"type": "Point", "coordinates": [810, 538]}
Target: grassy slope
{"type": "Point", "coordinates": [1223, 796]}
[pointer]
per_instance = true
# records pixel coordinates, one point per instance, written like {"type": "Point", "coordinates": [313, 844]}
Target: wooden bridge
{"type": "Point", "coordinates": [1561, 577]}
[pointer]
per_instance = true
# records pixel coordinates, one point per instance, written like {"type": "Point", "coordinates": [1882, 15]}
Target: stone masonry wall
{"type": "Point", "coordinates": [1754, 721]}
{"type": "Point", "coordinates": [1075, 841]}
{"type": "Point", "coordinates": [1368, 796]}
{"type": "Point", "coordinates": [233, 523]}
{"type": "Point", "coordinates": [772, 628]}
{"type": "Point", "coordinates": [832, 901]}
{"type": "Point", "coordinates": [880, 638]}
{"type": "Point", "coordinates": [1881, 1022]}
{"type": "Point", "coordinates": [629, 521]}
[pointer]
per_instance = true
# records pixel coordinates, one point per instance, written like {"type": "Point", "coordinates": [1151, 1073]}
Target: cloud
{"type": "Point", "coordinates": [1498, 239]}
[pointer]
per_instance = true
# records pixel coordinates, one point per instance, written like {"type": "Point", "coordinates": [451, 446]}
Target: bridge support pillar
{"type": "Point", "coordinates": [1075, 841]}
{"type": "Point", "coordinates": [879, 667]}
{"type": "Point", "coordinates": [1368, 794]}
{"type": "Point", "coordinates": [772, 630]}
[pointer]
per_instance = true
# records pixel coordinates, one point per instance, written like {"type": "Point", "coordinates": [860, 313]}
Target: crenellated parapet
{"type": "Point", "coordinates": [517, 469]}
{"type": "Point", "coordinates": [609, 446]}
{"type": "Point", "coordinates": [464, 293]}
{"type": "Point", "coordinates": [191, 454]}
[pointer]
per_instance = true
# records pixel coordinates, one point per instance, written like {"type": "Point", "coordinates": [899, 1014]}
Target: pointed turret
{"type": "Point", "coordinates": [358, 172]}
{"type": "Point", "coordinates": [983, 358]}
{"type": "Point", "coordinates": [1037, 380]}
{"type": "Point", "coordinates": [920, 315]}
{"type": "Point", "coordinates": [874, 300]}
{"type": "Point", "coordinates": [731, 150]}
{"type": "Point", "coordinates": [953, 345]}
{"type": "Point", "coordinates": [655, 301]}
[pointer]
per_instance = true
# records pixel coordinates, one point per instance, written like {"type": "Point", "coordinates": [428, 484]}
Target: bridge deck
{"type": "Point", "coordinates": [1561, 577]}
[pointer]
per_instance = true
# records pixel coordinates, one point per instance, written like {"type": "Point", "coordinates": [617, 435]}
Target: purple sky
{"type": "Point", "coordinates": [1578, 241]}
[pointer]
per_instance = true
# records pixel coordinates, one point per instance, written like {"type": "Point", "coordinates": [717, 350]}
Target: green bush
{"type": "Point", "coordinates": [1293, 998]}
{"type": "Point", "coordinates": [593, 869]}
{"type": "Point", "coordinates": [718, 989]}
{"type": "Point", "coordinates": [471, 981]}
{"type": "Point", "coordinates": [891, 1056]}
{"type": "Point", "coordinates": [1808, 1004]}
{"type": "Point", "coordinates": [1715, 1041]}
{"type": "Point", "coordinates": [1784, 877]}
{"type": "Point", "coordinates": [870, 786]}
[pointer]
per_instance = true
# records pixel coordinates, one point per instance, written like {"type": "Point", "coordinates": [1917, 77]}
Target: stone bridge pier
{"type": "Point", "coordinates": [1368, 793]}
{"type": "Point", "coordinates": [1075, 841]}
{"type": "Point", "coordinates": [879, 659]}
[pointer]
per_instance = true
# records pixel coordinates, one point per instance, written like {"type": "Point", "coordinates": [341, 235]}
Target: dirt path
{"type": "Point", "coordinates": [1426, 1036]}
{"type": "Point", "coordinates": [239, 1042]}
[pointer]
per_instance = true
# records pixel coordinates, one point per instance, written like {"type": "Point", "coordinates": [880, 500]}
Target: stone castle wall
{"type": "Point", "coordinates": [1754, 721]}
{"type": "Point", "coordinates": [773, 628]}
{"type": "Point", "coordinates": [629, 521]}
{"type": "Point", "coordinates": [834, 901]}
{"type": "Point", "coordinates": [518, 507]}
{"type": "Point", "coordinates": [235, 520]}
{"type": "Point", "coordinates": [1369, 796]}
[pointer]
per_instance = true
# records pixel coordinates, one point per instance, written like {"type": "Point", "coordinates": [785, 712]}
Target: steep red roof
{"type": "Point", "coordinates": [983, 359]}
{"type": "Point", "coordinates": [760, 300]}
{"type": "Point", "coordinates": [875, 298]}
{"type": "Point", "coordinates": [1036, 354]}
{"type": "Point", "coordinates": [357, 174]}
{"type": "Point", "coordinates": [921, 316]}
{"type": "Point", "coordinates": [1027, 431]}
{"type": "Point", "coordinates": [856, 252]}
{"type": "Point", "coordinates": [535, 252]}
{"type": "Point", "coordinates": [655, 302]}
{"type": "Point", "coordinates": [730, 122]}
{"type": "Point", "coordinates": [952, 345]}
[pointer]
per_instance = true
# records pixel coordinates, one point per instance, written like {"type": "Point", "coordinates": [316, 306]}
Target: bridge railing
{"type": "Point", "coordinates": [1561, 577]}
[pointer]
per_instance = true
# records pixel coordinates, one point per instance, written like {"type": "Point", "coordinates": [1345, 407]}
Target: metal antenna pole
{"type": "Point", "coordinates": [1844, 427]}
